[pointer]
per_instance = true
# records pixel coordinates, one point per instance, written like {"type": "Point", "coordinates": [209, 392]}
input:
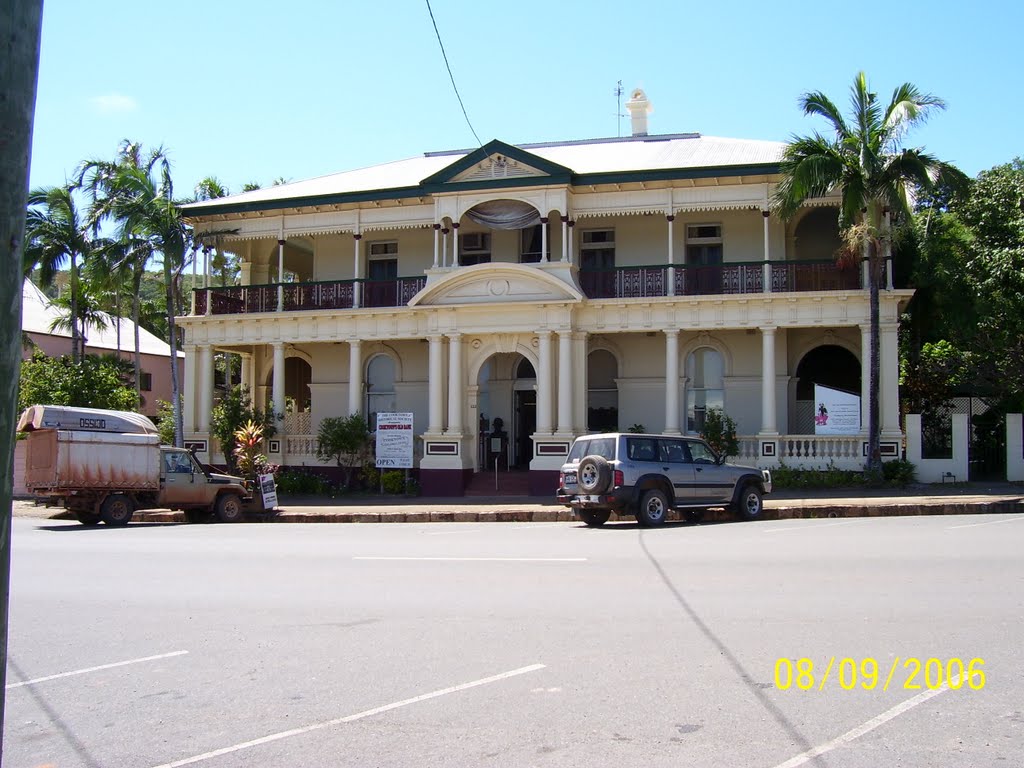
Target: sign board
{"type": "Point", "coordinates": [269, 491]}
{"type": "Point", "coordinates": [394, 441]}
{"type": "Point", "coordinates": [835, 412]}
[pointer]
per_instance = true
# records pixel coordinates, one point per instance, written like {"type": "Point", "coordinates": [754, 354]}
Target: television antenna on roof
{"type": "Point", "coordinates": [618, 108]}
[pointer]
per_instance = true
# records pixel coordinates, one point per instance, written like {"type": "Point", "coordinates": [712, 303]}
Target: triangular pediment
{"type": "Point", "coordinates": [496, 163]}
{"type": "Point", "coordinates": [495, 283]}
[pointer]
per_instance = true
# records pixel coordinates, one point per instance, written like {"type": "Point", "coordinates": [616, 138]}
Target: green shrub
{"type": "Point", "coordinates": [899, 472]}
{"type": "Point", "coordinates": [719, 431]}
{"type": "Point", "coordinates": [371, 477]}
{"type": "Point", "coordinates": [294, 481]}
{"type": "Point", "coordinates": [830, 477]}
{"type": "Point", "coordinates": [412, 486]}
{"type": "Point", "coordinates": [393, 481]}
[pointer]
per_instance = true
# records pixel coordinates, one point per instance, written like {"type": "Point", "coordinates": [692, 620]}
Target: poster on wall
{"type": "Point", "coordinates": [394, 440]}
{"type": "Point", "coordinates": [835, 412]}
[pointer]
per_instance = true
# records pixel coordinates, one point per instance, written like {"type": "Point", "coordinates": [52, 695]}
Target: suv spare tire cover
{"type": "Point", "coordinates": [595, 474]}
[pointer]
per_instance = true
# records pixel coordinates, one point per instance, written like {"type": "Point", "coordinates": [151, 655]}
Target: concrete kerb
{"type": "Point", "coordinates": [500, 511]}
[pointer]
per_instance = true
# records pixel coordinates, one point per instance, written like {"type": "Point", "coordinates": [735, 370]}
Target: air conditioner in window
{"type": "Point", "coordinates": [476, 241]}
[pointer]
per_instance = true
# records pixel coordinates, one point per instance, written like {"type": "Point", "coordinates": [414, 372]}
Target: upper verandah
{"type": "Point", "coordinates": [576, 164]}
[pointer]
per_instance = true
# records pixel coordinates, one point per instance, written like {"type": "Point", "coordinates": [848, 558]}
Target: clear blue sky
{"type": "Point", "coordinates": [250, 91]}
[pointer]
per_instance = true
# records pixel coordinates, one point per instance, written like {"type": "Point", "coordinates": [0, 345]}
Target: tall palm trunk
{"type": "Point", "coordinates": [75, 342]}
{"type": "Point", "coordinates": [172, 337]}
{"type": "Point", "coordinates": [20, 22]}
{"type": "Point", "coordinates": [136, 311]}
{"type": "Point", "coordinates": [873, 222]}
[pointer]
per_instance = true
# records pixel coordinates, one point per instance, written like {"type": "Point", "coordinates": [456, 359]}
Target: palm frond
{"type": "Point", "coordinates": [817, 103]}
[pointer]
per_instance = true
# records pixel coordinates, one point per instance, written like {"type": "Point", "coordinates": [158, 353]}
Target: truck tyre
{"type": "Point", "coordinates": [117, 510]}
{"type": "Point", "coordinates": [749, 505]}
{"type": "Point", "coordinates": [594, 518]}
{"type": "Point", "coordinates": [595, 474]}
{"type": "Point", "coordinates": [229, 508]}
{"type": "Point", "coordinates": [653, 509]}
{"type": "Point", "coordinates": [87, 518]}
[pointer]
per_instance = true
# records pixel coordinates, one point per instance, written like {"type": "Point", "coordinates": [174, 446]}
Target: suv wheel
{"type": "Point", "coordinates": [653, 509]}
{"type": "Point", "coordinates": [594, 518]}
{"type": "Point", "coordinates": [595, 474]}
{"type": "Point", "coordinates": [749, 504]}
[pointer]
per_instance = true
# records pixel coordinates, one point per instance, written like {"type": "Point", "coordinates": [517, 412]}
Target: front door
{"type": "Point", "coordinates": [525, 426]}
{"type": "Point", "coordinates": [382, 286]}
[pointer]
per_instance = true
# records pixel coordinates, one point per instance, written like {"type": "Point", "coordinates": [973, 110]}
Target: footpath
{"type": "Point", "coordinates": [958, 499]}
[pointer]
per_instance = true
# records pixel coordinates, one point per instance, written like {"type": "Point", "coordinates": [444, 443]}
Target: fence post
{"type": "Point", "coordinates": [1014, 447]}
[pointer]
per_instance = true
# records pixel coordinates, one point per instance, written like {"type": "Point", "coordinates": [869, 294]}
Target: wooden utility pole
{"type": "Point", "coordinates": [20, 23]}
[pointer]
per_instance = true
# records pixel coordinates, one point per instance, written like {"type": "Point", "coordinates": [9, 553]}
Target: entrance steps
{"type": "Point", "coordinates": [510, 483]}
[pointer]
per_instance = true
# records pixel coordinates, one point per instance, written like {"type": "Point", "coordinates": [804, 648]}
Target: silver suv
{"type": "Point", "coordinates": [647, 475]}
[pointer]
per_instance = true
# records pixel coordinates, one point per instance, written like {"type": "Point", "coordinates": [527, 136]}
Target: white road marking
{"type": "Point", "coordinates": [805, 527]}
{"type": "Point", "coordinates": [870, 725]}
{"type": "Point", "coordinates": [95, 669]}
{"type": "Point", "coordinates": [351, 718]}
{"type": "Point", "coordinates": [990, 522]}
{"type": "Point", "coordinates": [481, 559]}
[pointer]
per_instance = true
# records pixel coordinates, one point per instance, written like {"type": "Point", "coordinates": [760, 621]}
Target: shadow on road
{"type": "Point", "coordinates": [62, 527]}
{"type": "Point", "coordinates": [752, 685]}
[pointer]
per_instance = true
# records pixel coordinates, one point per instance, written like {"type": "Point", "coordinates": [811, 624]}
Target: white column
{"type": "Point", "coordinates": [456, 384]}
{"type": "Point", "coordinates": [246, 371]}
{"type": "Point", "coordinates": [544, 239]}
{"type": "Point", "coordinates": [768, 399]}
{"type": "Point", "coordinates": [671, 256]}
{"type": "Point", "coordinates": [579, 392]}
{"type": "Point", "coordinates": [455, 243]}
{"type": "Point", "coordinates": [355, 377]}
{"type": "Point", "coordinates": [565, 239]}
{"type": "Point", "coordinates": [865, 375]}
{"type": "Point", "coordinates": [280, 275]}
{"type": "Point", "coordinates": [188, 414]}
{"type": "Point", "coordinates": [889, 386]}
{"type": "Point", "coordinates": [444, 247]}
{"type": "Point", "coordinates": [437, 243]}
{"type": "Point", "coordinates": [435, 383]}
{"type": "Point", "coordinates": [278, 388]}
{"type": "Point", "coordinates": [357, 271]}
{"type": "Point", "coordinates": [205, 386]}
{"type": "Point", "coordinates": [544, 382]}
{"type": "Point", "coordinates": [767, 276]}
{"type": "Point", "coordinates": [672, 381]}
{"type": "Point", "coordinates": [572, 254]}
{"type": "Point", "coordinates": [565, 382]}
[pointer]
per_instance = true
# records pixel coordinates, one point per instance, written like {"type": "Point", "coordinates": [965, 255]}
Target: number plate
{"type": "Point", "coordinates": [570, 478]}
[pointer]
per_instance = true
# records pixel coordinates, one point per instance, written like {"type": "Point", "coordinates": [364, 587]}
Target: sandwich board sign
{"type": "Point", "coordinates": [835, 412]}
{"type": "Point", "coordinates": [394, 441]}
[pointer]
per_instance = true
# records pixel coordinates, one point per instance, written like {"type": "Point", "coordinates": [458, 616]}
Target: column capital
{"type": "Point", "coordinates": [543, 219]}
{"type": "Point", "coordinates": [545, 333]}
{"type": "Point", "coordinates": [455, 225]}
{"type": "Point", "coordinates": [572, 222]}
{"type": "Point", "coordinates": [356, 236]}
{"type": "Point", "coordinates": [670, 217]}
{"type": "Point", "coordinates": [281, 242]}
{"type": "Point", "coordinates": [355, 343]}
{"type": "Point", "coordinates": [276, 345]}
{"type": "Point", "coordinates": [670, 331]}
{"type": "Point", "coordinates": [437, 226]}
{"type": "Point", "coordinates": [564, 219]}
{"type": "Point", "coordinates": [766, 213]}
{"type": "Point", "coordinates": [454, 337]}
{"type": "Point", "coordinates": [189, 349]}
{"type": "Point", "coordinates": [769, 330]}
{"type": "Point", "coordinates": [445, 230]}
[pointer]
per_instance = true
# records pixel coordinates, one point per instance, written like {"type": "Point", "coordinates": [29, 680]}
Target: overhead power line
{"type": "Point", "coordinates": [450, 75]}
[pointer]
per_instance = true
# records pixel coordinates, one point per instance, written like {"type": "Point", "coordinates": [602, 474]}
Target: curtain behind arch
{"type": "Point", "coordinates": [504, 214]}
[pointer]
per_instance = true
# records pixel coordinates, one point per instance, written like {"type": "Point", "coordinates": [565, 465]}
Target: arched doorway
{"type": "Point", "coordinates": [507, 403]}
{"type": "Point", "coordinates": [829, 365]}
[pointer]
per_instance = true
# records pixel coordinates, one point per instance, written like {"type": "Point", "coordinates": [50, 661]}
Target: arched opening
{"type": "Point", "coordinates": [830, 366]}
{"type": "Point", "coordinates": [705, 374]}
{"type": "Point", "coordinates": [477, 247]}
{"type": "Point", "coordinates": [817, 235]}
{"type": "Point", "coordinates": [507, 402]}
{"type": "Point", "coordinates": [380, 388]}
{"type": "Point", "coordinates": [602, 392]}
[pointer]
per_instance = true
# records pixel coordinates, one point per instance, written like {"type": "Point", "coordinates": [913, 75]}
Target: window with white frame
{"type": "Point", "coordinates": [530, 244]}
{"type": "Point", "coordinates": [380, 388]}
{"type": "Point", "coordinates": [597, 249]}
{"type": "Point", "coordinates": [704, 244]}
{"type": "Point", "coordinates": [705, 387]}
{"type": "Point", "coordinates": [474, 248]}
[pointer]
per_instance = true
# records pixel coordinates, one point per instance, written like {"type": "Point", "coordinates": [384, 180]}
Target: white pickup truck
{"type": "Point", "coordinates": [104, 465]}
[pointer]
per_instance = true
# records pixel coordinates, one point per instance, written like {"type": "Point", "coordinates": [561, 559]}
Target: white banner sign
{"type": "Point", "coordinates": [269, 491]}
{"type": "Point", "coordinates": [394, 440]}
{"type": "Point", "coordinates": [835, 412]}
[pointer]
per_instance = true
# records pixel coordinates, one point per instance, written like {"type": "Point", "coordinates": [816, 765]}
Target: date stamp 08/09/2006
{"type": "Point", "coordinates": [911, 674]}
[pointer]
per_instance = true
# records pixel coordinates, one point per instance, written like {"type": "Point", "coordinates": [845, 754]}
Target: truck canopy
{"type": "Point", "coordinates": [84, 420]}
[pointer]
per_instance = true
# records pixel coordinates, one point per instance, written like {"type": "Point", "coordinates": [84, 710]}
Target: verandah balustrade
{"type": "Point", "coordinates": [632, 282]}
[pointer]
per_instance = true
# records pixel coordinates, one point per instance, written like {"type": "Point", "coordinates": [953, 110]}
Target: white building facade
{"type": "Point", "coordinates": [561, 288]}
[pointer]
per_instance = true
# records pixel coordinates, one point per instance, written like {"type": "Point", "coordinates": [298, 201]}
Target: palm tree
{"type": "Point", "coordinates": [223, 265]}
{"type": "Point", "coordinates": [137, 192]}
{"type": "Point", "coordinates": [54, 232]}
{"type": "Point", "coordinates": [82, 310]}
{"type": "Point", "coordinates": [864, 159]}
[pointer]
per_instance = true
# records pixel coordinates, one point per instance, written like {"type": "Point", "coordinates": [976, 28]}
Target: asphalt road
{"type": "Point", "coordinates": [518, 644]}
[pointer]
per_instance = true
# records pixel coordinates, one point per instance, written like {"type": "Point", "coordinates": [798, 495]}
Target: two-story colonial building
{"type": "Point", "coordinates": [560, 287]}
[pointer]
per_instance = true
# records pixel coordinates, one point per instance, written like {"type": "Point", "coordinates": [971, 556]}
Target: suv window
{"type": "Point", "coordinates": [598, 446]}
{"type": "Point", "coordinates": [673, 451]}
{"type": "Point", "coordinates": [702, 454]}
{"type": "Point", "coordinates": [642, 449]}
